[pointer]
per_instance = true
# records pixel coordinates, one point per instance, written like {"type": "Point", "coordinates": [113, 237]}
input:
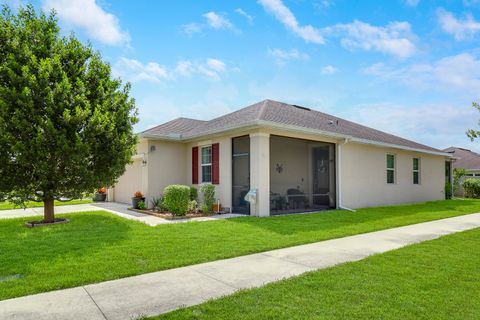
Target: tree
{"type": "Point", "coordinates": [474, 134]}
{"type": "Point", "coordinates": [66, 126]}
{"type": "Point", "coordinates": [458, 174]}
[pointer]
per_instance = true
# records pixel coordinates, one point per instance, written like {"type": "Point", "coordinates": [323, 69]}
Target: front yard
{"type": "Point", "coordinates": [438, 279]}
{"type": "Point", "coordinates": [4, 205]}
{"type": "Point", "coordinates": [98, 246]}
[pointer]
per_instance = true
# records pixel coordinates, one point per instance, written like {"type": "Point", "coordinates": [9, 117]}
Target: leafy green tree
{"type": "Point", "coordinates": [471, 133]}
{"type": "Point", "coordinates": [66, 126]}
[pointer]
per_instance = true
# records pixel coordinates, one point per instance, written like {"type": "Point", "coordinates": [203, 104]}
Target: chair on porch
{"type": "Point", "coordinates": [296, 199]}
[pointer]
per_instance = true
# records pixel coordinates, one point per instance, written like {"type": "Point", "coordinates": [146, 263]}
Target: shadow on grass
{"type": "Point", "coordinates": [84, 235]}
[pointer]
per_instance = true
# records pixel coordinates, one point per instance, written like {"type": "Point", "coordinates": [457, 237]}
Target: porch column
{"type": "Point", "coordinates": [260, 172]}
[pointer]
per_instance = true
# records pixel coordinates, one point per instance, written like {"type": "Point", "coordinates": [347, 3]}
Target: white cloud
{"type": "Point", "coordinates": [88, 15]}
{"type": "Point", "coordinates": [436, 125]}
{"type": "Point", "coordinates": [281, 56]}
{"type": "Point", "coordinates": [191, 28]}
{"type": "Point", "coordinates": [328, 70]}
{"type": "Point", "coordinates": [459, 73]}
{"type": "Point", "coordinates": [216, 65]}
{"type": "Point", "coordinates": [244, 14]}
{"type": "Point", "coordinates": [395, 39]}
{"type": "Point", "coordinates": [135, 71]}
{"type": "Point", "coordinates": [216, 21]}
{"type": "Point", "coordinates": [461, 29]}
{"type": "Point", "coordinates": [412, 3]}
{"type": "Point", "coordinates": [286, 17]}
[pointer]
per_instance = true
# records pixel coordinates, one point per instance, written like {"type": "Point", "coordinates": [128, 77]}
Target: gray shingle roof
{"type": "Point", "coordinates": [464, 158]}
{"type": "Point", "coordinates": [273, 112]}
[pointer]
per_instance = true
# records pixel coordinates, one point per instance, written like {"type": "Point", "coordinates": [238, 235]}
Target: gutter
{"type": "Point", "coordinates": [339, 170]}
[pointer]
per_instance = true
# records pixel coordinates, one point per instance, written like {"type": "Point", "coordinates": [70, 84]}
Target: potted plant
{"type": "Point", "coordinates": [101, 194]}
{"type": "Point", "coordinates": [137, 197]}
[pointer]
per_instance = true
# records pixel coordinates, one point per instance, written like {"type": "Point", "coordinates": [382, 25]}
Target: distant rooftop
{"type": "Point", "coordinates": [465, 158]}
{"type": "Point", "coordinates": [274, 113]}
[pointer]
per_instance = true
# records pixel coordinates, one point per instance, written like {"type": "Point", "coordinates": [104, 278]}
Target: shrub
{"type": "Point", "coordinates": [176, 199]}
{"type": "Point", "coordinates": [471, 187]}
{"type": "Point", "coordinates": [193, 194]}
{"type": "Point", "coordinates": [102, 190]}
{"type": "Point", "coordinates": [157, 203]}
{"type": "Point", "coordinates": [448, 190]}
{"type": "Point", "coordinates": [208, 191]}
{"type": "Point", "coordinates": [192, 206]}
{"type": "Point", "coordinates": [458, 174]}
{"type": "Point", "coordinates": [138, 194]}
{"type": "Point", "coordinates": [141, 205]}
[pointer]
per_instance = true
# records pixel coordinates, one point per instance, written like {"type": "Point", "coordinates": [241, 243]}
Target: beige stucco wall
{"type": "Point", "coordinates": [166, 166]}
{"type": "Point", "coordinates": [363, 177]}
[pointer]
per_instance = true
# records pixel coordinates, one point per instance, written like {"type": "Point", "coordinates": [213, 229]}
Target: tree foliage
{"type": "Point", "coordinates": [66, 126]}
{"type": "Point", "coordinates": [471, 133]}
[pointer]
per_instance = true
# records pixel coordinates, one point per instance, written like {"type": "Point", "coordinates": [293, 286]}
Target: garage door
{"type": "Point", "coordinates": [129, 183]}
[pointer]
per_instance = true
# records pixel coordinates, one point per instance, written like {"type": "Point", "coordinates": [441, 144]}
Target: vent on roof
{"type": "Point", "coordinates": [300, 107]}
{"type": "Point", "coordinates": [335, 122]}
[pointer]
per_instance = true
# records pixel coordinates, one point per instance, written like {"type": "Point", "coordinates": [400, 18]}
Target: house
{"type": "Point", "coordinates": [295, 158]}
{"type": "Point", "coordinates": [466, 159]}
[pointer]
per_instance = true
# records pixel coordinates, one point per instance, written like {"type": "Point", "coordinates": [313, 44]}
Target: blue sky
{"type": "Point", "coordinates": [408, 67]}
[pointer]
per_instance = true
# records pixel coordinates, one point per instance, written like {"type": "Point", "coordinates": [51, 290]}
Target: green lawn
{"type": "Point", "coordinates": [438, 279]}
{"type": "Point", "coordinates": [98, 246]}
{"type": "Point", "coordinates": [4, 205]}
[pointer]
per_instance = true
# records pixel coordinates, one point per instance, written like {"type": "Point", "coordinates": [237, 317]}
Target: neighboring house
{"type": "Point", "coordinates": [296, 159]}
{"type": "Point", "coordinates": [466, 159]}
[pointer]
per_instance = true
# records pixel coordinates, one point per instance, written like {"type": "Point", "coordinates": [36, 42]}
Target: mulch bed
{"type": "Point", "coordinates": [169, 216]}
{"type": "Point", "coordinates": [42, 223]}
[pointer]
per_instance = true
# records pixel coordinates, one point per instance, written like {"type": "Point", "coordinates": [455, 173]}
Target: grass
{"type": "Point", "coordinates": [5, 205]}
{"type": "Point", "coordinates": [98, 246]}
{"type": "Point", "coordinates": [438, 279]}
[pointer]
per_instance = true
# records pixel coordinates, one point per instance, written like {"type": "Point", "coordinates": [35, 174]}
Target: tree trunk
{"type": "Point", "coordinates": [48, 213]}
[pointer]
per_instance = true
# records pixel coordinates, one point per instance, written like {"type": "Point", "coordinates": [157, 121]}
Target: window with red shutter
{"type": "Point", "coordinates": [195, 165]}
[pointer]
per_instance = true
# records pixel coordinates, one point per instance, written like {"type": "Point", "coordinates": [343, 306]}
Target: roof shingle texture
{"type": "Point", "coordinates": [464, 158]}
{"type": "Point", "coordinates": [281, 114]}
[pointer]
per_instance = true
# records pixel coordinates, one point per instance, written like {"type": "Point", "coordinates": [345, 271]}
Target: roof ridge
{"type": "Point", "coordinates": [263, 107]}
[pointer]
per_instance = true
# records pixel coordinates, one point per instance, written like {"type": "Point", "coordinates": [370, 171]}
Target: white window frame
{"type": "Point", "coordinates": [416, 170]}
{"type": "Point", "coordinates": [205, 164]}
{"type": "Point", "coordinates": [394, 169]}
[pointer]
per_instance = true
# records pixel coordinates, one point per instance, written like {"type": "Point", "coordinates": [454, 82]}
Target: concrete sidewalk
{"type": "Point", "coordinates": [159, 292]}
{"type": "Point", "coordinates": [119, 209]}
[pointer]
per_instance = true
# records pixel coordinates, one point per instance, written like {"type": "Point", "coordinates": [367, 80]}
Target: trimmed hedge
{"type": "Point", "coordinates": [471, 187]}
{"type": "Point", "coordinates": [176, 199]}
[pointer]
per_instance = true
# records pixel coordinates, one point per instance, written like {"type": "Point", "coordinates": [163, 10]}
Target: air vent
{"type": "Point", "coordinates": [300, 107]}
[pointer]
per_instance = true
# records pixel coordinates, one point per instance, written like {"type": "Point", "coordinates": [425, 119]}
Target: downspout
{"type": "Point", "coordinates": [339, 155]}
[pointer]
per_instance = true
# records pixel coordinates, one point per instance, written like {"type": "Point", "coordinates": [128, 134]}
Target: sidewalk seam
{"type": "Point", "coordinates": [98, 307]}
{"type": "Point", "coordinates": [218, 280]}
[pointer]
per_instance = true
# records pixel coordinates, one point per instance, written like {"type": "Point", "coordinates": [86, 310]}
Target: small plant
{"type": "Point", "coordinates": [448, 190]}
{"type": "Point", "coordinates": [176, 199]}
{"type": "Point", "coordinates": [157, 203]}
{"type": "Point", "coordinates": [141, 205]}
{"type": "Point", "coordinates": [138, 194]}
{"type": "Point", "coordinates": [102, 190]}
{"type": "Point", "coordinates": [192, 206]}
{"type": "Point", "coordinates": [458, 174]}
{"type": "Point", "coordinates": [208, 191]}
{"type": "Point", "coordinates": [193, 194]}
{"type": "Point", "coordinates": [472, 188]}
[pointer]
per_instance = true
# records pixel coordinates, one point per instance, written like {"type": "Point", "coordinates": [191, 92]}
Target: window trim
{"type": "Point", "coordinates": [206, 164]}
{"type": "Point", "coordinates": [394, 169]}
{"type": "Point", "coordinates": [416, 170]}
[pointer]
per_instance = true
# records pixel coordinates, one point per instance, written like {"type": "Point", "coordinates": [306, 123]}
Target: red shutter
{"type": "Point", "coordinates": [215, 163]}
{"type": "Point", "coordinates": [195, 165]}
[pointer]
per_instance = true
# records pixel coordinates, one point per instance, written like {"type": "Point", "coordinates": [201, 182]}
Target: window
{"type": "Point", "coordinates": [416, 171]}
{"type": "Point", "coordinates": [206, 164]}
{"type": "Point", "coordinates": [390, 168]}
